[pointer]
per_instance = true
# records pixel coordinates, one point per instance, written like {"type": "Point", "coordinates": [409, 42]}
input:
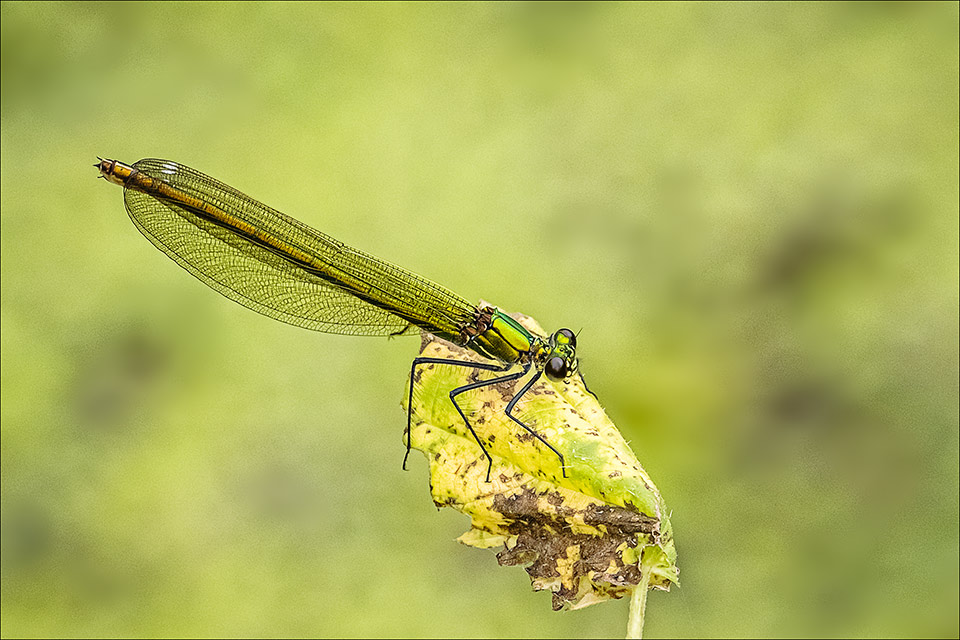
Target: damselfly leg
{"type": "Point", "coordinates": [478, 385]}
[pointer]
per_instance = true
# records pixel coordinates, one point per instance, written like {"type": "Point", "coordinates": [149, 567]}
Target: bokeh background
{"type": "Point", "coordinates": [750, 211]}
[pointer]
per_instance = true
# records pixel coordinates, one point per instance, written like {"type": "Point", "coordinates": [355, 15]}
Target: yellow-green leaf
{"type": "Point", "coordinates": [581, 535]}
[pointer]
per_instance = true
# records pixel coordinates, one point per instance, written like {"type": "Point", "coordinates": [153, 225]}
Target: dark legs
{"type": "Point", "coordinates": [457, 363]}
{"type": "Point", "coordinates": [477, 385]}
{"type": "Point", "coordinates": [512, 403]}
{"type": "Point", "coordinates": [584, 381]}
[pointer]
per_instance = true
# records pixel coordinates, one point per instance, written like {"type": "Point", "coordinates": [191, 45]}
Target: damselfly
{"type": "Point", "coordinates": [282, 268]}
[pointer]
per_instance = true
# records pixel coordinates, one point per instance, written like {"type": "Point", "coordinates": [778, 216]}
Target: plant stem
{"type": "Point", "coordinates": [638, 604]}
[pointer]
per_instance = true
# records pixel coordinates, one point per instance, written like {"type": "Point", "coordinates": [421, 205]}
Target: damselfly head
{"type": "Point", "coordinates": [561, 359]}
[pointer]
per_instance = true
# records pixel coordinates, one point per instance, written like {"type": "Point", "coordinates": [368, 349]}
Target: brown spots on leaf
{"type": "Point", "coordinates": [572, 558]}
{"type": "Point", "coordinates": [619, 519]}
{"type": "Point", "coordinates": [517, 506]}
{"type": "Point", "coordinates": [549, 549]}
{"type": "Point", "coordinates": [524, 510]}
{"type": "Point", "coordinates": [524, 436]}
{"type": "Point", "coordinates": [553, 498]}
{"type": "Point", "coordinates": [505, 389]}
{"type": "Point", "coordinates": [516, 556]}
{"type": "Point", "coordinates": [547, 391]}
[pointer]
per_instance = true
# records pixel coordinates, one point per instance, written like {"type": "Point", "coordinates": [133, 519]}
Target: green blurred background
{"type": "Point", "coordinates": [750, 210]}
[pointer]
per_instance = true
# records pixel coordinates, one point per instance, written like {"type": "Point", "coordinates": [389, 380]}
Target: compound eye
{"type": "Point", "coordinates": [556, 368]}
{"type": "Point", "coordinates": [565, 336]}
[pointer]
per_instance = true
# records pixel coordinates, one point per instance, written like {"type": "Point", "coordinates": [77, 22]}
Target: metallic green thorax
{"type": "Point", "coordinates": [497, 336]}
{"type": "Point", "coordinates": [501, 337]}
